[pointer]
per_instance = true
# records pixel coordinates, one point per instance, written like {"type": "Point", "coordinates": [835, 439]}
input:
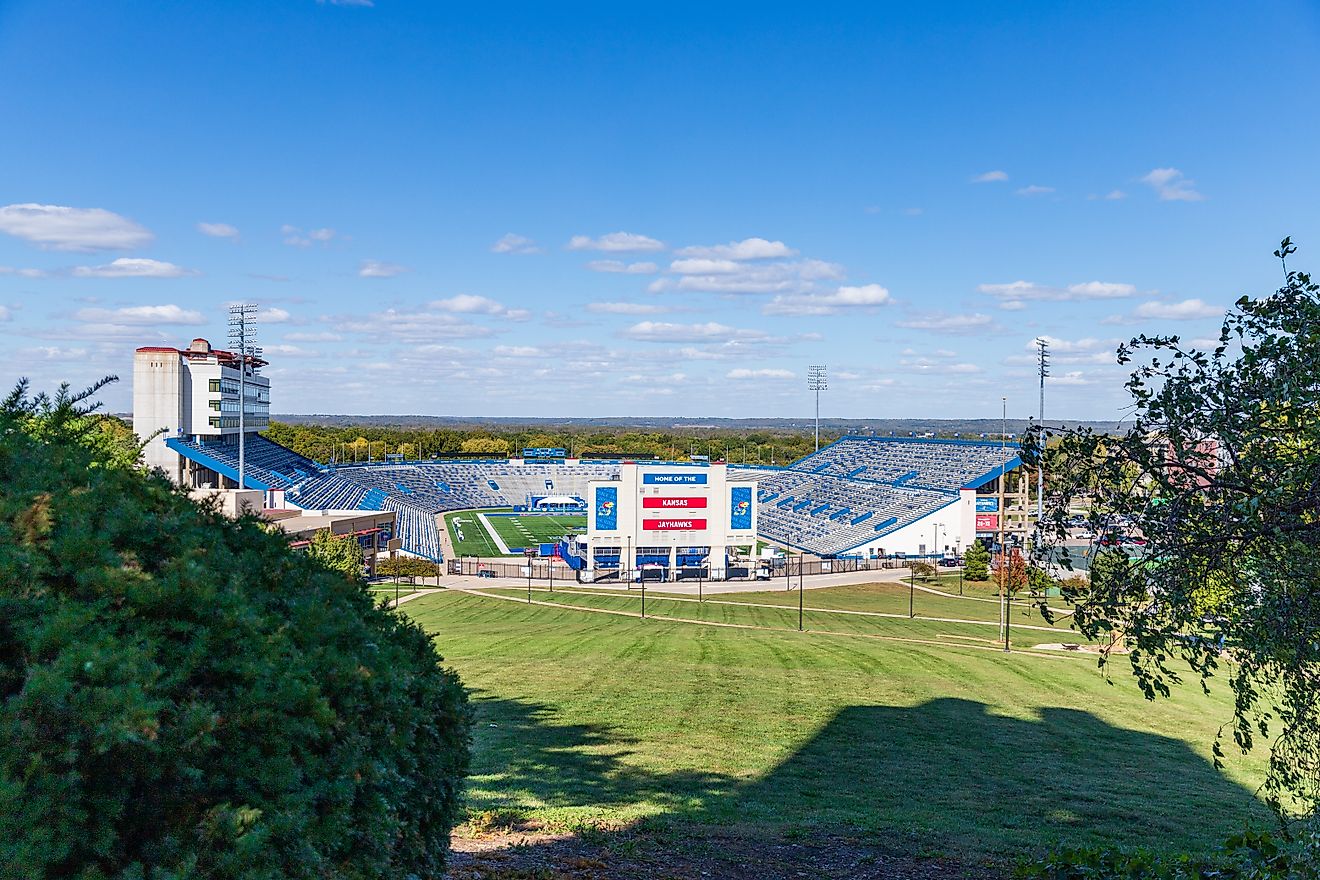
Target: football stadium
{"type": "Point", "coordinates": [858, 498]}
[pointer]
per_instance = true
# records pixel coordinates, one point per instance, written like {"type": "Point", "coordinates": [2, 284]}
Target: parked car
{"type": "Point", "coordinates": [485, 573]}
{"type": "Point", "coordinates": [950, 561]}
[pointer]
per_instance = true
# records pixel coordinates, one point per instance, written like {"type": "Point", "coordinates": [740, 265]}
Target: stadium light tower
{"type": "Point", "coordinates": [817, 381]}
{"type": "Point", "coordinates": [1043, 356]}
{"type": "Point", "coordinates": [242, 341]}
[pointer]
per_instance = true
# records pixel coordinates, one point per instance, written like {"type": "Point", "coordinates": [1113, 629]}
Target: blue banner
{"type": "Point", "coordinates": [607, 508]}
{"type": "Point", "coordinates": [674, 479]}
{"type": "Point", "coordinates": [740, 509]}
{"type": "Point", "coordinates": [986, 504]}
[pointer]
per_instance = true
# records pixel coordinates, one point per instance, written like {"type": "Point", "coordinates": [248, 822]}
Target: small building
{"type": "Point", "coordinates": [372, 529]}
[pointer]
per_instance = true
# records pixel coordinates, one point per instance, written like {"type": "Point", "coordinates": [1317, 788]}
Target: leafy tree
{"type": "Point", "coordinates": [1010, 572]}
{"type": "Point", "coordinates": [1220, 470]}
{"type": "Point", "coordinates": [976, 562]}
{"type": "Point", "coordinates": [337, 553]}
{"type": "Point", "coordinates": [1040, 581]}
{"type": "Point", "coordinates": [922, 570]}
{"type": "Point", "coordinates": [183, 696]}
{"type": "Point", "coordinates": [493, 445]}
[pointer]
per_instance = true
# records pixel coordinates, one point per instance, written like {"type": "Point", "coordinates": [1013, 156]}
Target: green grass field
{"type": "Point", "coordinates": [528, 531]}
{"type": "Point", "coordinates": [517, 531]}
{"type": "Point", "coordinates": [940, 745]}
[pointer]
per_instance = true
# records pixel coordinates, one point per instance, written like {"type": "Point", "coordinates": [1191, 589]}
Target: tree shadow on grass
{"type": "Point", "coordinates": [950, 772]}
{"type": "Point", "coordinates": [526, 756]}
{"type": "Point", "coordinates": [946, 778]}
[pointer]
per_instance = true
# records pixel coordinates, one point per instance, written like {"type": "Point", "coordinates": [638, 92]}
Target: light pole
{"type": "Point", "coordinates": [817, 381]}
{"type": "Point", "coordinates": [1003, 489]}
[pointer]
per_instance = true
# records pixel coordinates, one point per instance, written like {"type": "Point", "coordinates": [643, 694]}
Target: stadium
{"type": "Point", "coordinates": [858, 498]}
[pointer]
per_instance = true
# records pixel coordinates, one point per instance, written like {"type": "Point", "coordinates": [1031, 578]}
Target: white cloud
{"type": "Point", "coordinates": [1172, 186]}
{"type": "Point", "coordinates": [943, 323]}
{"type": "Point", "coordinates": [1075, 377]}
{"type": "Point", "coordinates": [273, 315]}
{"type": "Point", "coordinates": [6, 314]}
{"type": "Point", "coordinates": [139, 315]}
{"type": "Point", "coordinates": [620, 266]}
{"type": "Point", "coordinates": [518, 351]}
{"type": "Point", "coordinates": [659, 331]}
{"type": "Point", "coordinates": [378, 269]}
{"type": "Point", "coordinates": [61, 228]}
{"type": "Point", "coordinates": [295, 236]}
{"type": "Point", "coordinates": [470, 304]}
{"type": "Point", "coordinates": [1113, 195]}
{"type": "Point", "coordinates": [218, 230]}
{"type": "Point", "coordinates": [1014, 295]}
{"type": "Point", "coordinates": [626, 308]}
{"type": "Point", "coordinates": [1034, 190]}
{"type": "Point", "coordinates": [991, 177]}
{"type": "Point", "coordinates": [747, 249]}
{"type": "Point", "coordinates": [615, 241]}
{"type": "Point", "coordinates": [729, 276]}
{"type": "Point", "coordinates": [409, 326]}
{"type": "Point", "coordinates": [867, 295]}
{"type": "Point", "coordinates": [512, 243]}
{"type": "Point", "coordinates": [1188, 309]}
{"type": "Point", "coordinates": [133, 267]}
{"type": "Point", "coordinates": [23, 273]}
{"type": "Point", "coordinates": [1065, 346]}
{"type": "Point", "coordinates": [293, 351]}
{"type": "Point", "coordinates": [758, 374]}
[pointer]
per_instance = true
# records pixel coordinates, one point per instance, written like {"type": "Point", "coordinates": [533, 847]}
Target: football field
{"type": "Point", "coordinates": [471, 538]}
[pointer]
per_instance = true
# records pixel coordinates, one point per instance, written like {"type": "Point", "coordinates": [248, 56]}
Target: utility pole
{"type": "Point", "coordinates": [242, 340]}
{"type": "Point", "coordinates": [817, 381]}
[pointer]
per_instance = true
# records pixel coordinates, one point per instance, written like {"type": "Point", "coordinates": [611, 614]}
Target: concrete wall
{"type": "Point", "coordinates": [158, 404]}
{"type": "Point", "coordinates": [233, 502]}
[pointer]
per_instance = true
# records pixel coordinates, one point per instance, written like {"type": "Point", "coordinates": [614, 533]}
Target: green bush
{"type": "Point", "coordinates": [183, 696]}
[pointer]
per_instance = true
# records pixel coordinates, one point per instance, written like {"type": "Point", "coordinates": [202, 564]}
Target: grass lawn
{"type": "Point", "coordinates": [601, 720]}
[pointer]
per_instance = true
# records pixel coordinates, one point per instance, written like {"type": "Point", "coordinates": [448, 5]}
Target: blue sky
{"type": "Point", "coordinates": [580, 209]}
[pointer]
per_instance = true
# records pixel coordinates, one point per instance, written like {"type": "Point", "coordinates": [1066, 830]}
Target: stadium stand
{"type": "Point", "coordinates": [846, 495]}
{"type": "Point", "coordinates": [418, 492]}
{"type": "Point", "coordinates": [264, 460]}
{"type": "Point", "coordinates": [859, 488]}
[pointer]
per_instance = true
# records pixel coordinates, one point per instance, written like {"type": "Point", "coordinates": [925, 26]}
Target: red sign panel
{"type": "Point", "coordinates": [673, 502]}
{"type": "Point", "coordinates": [987, 522]}
{"type": "Point", "coordinates": [673, 525]}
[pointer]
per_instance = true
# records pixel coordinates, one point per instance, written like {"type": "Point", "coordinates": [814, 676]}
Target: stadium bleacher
{"type": "Point", "coordinates": [264, 461]}
{"type": "Point", "coordinates": [418, 492]}
{"type": "Point", "coordinates": [858, 488]}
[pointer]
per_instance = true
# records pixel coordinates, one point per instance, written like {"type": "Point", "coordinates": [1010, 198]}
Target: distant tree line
{"type": "Point", "coordinates": [366, 442]}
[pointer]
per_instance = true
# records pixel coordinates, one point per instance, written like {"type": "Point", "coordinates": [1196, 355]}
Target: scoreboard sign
{"type": "Point", "coordinates": [674, 479]}
{"type": "Point", "coordinates": [673, 525]}
{"type": "Point", "coordinates": [673, 502]}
